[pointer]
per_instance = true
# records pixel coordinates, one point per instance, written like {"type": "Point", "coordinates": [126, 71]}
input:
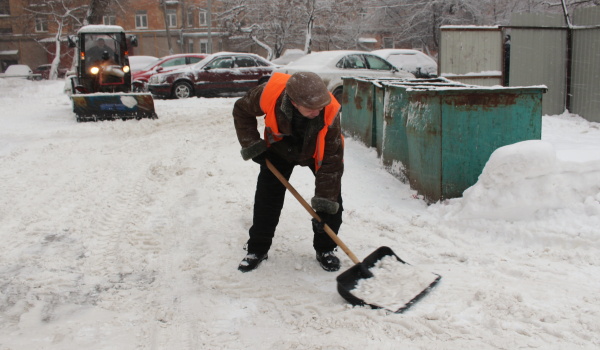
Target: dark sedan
{"type": "Point", "coordinates": [165, 64]}
{"type": "Point", "coordinates": [44, 72]}
{"type": "Point", "coordinates": [217, 74]}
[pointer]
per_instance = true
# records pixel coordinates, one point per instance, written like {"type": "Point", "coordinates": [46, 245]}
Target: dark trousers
{"type": "Point", "coordinates": [268, 202]}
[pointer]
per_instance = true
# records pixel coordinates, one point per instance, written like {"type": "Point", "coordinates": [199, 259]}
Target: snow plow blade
{"type": "Point", "coordinates": [100, 106]}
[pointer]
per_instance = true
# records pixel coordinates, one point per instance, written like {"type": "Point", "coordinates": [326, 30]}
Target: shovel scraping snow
{"type": "Point", "coordinates": [383, 280]}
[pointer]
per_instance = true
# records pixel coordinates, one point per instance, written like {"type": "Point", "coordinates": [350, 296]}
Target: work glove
{"type": "Point", "coordinates": [260, 159]}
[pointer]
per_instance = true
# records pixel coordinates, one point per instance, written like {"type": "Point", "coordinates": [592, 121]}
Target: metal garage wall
{"type": "Point", "coordinates": [543, 51]}
{"type": "Point", "coordinates": [585, 79]}
{"type": "Point", "coordinates": [538, 57]}
{"type": "Point", "coordinates": [471, 55]}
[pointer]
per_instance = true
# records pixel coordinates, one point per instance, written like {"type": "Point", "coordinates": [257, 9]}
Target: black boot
{"type": "Point", "coordinates": [328, 261]}
{"type": "Point", "coordinates": [251, 261]}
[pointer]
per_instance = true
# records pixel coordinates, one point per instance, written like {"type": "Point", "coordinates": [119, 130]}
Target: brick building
{"type": "Point", "coordinates": [28, 33]}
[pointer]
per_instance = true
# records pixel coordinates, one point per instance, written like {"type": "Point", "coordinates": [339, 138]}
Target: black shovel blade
{"type": "Point", "coordinates": [349, 279]}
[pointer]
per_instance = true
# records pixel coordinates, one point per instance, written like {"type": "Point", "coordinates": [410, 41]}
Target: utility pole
{"type": "Point", "coordinates": [164, 6]}
{"type": "Point", "coordinates": [183, 47]}
{"type": "Point", "coordinates": [209, 20]}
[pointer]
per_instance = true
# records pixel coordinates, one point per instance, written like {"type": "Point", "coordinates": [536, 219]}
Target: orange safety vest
{"type": "Point", "coordinates": [268, 100]}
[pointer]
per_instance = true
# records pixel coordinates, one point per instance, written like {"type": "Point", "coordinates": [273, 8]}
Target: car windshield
{"type": "Point", "coordinates": [377, 63]}
{"type": "Point", "coordinates": [149, 65]}
{"type": "Point", "coordinates": [224, 62]}
{"type": "Point", "coordinates": [176, 61]}
{"type": "Point", "coordinates": [407, 61]}
{"type": "Point", "coordinates": [352, 62]}
{"type": "Point", "coordinates": [102, 47]}
{"type": "Point", "coordinates": [203, 62]}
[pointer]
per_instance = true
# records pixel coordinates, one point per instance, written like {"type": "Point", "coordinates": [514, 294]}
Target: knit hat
{"type": "Point", "coordinates": [308, 90]}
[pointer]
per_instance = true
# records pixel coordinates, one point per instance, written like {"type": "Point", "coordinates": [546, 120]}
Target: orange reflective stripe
{"type": "Point", "coordinates": [268, 100]}
{"type": "Point", "coordinates": [331, 111]}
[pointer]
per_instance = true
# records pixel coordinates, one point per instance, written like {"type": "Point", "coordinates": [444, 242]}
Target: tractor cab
{"type": "Point", "coordinates": [103, 62]}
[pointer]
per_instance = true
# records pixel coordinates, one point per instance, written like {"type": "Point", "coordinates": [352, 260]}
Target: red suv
{"type": "Point", "coordinates": [219, 73]}
{"type": "Point", "coordinates": [140, 78]}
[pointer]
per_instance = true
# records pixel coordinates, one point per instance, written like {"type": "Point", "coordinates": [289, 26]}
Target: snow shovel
{"type": "Point", "coordinates": [365, 283]}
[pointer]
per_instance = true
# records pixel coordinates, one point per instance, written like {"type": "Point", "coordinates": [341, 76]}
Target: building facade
{"type": "Point", "coordinates": [29, 29]}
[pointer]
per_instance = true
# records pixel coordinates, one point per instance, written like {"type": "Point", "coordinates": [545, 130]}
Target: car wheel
{"type": "Point", "coordinates": [183, 90]}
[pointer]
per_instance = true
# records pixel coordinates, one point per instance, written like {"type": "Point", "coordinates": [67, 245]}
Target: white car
{"type": "Point", "coordinates": [289, 56]}
{"type": "Point", "coordinates": [18, 71]}
{"type": "Point", "coordinates": [137, 63]}
{"type": "Point", "coordinates": [414, 61]}
{"type": "Point", "coordinates": [331, 66]}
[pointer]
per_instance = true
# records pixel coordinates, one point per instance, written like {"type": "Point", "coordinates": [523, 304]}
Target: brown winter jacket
{"type": "Point", "coordinates": [327, 178]}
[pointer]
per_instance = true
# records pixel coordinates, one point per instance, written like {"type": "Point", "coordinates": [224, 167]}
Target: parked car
{"type": "Point", "coordinates": [18, 71]}
{"type": "Point", "coordinates": [413, 61]}
{"type": "Point", "coordinates": [139, 79]}
{"type": "Point", "coordinates": [139, 62]}
{"type": "Point", "coordinates": [331, 66]}
{"type": "Point", "coordinates": [44, 71]}
{"type": "Point", "coordinates": [219, 73]}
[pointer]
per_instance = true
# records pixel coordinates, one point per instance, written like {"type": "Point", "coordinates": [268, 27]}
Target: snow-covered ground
{"type": "Point", "coordinates": [127, 235]}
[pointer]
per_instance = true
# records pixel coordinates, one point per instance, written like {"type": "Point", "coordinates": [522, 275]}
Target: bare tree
{"type": "Point", "coordinates": [267, 23]}
{"type": "Point", "coordinates": [97, 9]}
{"type": "Point", "coordinates": [328, 24]}
{"type": "Point", "coordinates": [333, 24]}
{"type": "Point", "coordinates": [62, 14]}
{"type": "Point", "coordinates": [275, 25]}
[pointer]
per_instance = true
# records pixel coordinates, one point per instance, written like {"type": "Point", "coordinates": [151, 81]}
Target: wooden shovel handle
{"type": "Point", "coordinates": [311, 211]}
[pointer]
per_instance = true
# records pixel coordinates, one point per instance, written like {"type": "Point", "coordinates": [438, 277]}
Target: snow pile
{"type": "Point", "coordinates": [517, 176]}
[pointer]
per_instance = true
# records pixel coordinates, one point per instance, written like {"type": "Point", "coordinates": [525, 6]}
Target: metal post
{"type": "Point", "coordinates": [209, 20]}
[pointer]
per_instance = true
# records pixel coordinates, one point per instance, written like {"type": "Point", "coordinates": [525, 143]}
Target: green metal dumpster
{"type": "Point", "coordinates": [363, 105]}
{"type": "Point", "coordinates": [444, 135]}
{"type": "Point", "coordinates": [357, 109]}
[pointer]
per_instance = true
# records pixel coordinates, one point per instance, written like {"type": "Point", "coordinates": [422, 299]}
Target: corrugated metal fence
{"type": "Point", "coordinates": [471, 55]}
{"type": "Point", "coordinates": [544, 50]}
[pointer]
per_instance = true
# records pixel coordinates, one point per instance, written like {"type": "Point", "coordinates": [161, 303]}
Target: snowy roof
{"type": "Point", "coordinates": [470, 27]}
{"type": "Point", "coordinates": [367, 40]}
{"type": "Point", "coordinates": [398, 51]}
{"type": "Point", "coordinates": [318, 58]}
{"type": "Point", "coordinates": [52, 39]}
{"type": "Point", "coordinates": [100, 29]}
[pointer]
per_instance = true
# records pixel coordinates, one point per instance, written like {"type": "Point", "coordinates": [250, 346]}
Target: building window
{"type": "Point", "coordinates": [41, 24]}
{"type": "Point", "coordinates": [190, 17]}
{"type": "Point", "coordinates": [4, 7]}
{"type": "Point", "coordinates": [204, 46]}
{"type": "Point", "coordinates": [388, 42]}
{"type": "Point", "coordinates": [202, 19]}
{"type": "Point", "coordinates": [362, 14]}
{"type": "Point", "coordinates": [172, 18]}
{"type": "Point", "coordinates": [190, 46]}
{"type": "Point", "coordinates": [141, 20]}
{"type": "Point", "coordinates": [109, 20]}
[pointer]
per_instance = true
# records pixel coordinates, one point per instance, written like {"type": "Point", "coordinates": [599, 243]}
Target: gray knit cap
{"type": "Point", "coordinates": [308, 90]}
